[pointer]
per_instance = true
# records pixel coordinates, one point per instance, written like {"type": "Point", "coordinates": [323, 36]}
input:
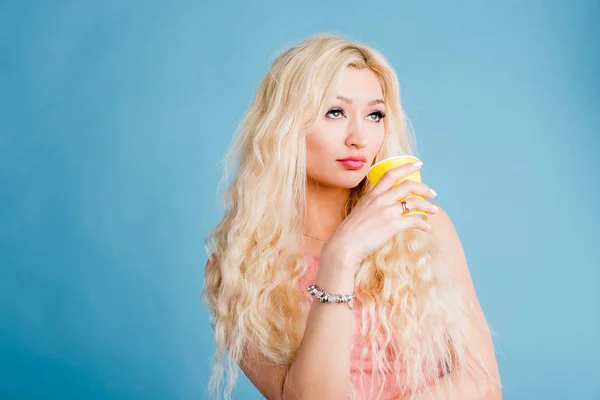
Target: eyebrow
{"type": "Point", "coordinates": [371, 103]}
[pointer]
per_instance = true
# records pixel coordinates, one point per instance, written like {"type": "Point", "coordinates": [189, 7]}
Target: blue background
{"type": "Point", "coordinates": [114, 116]}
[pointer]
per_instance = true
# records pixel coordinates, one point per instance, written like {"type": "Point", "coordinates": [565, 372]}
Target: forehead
{"type": "Point", "coordinates": [361, 85]}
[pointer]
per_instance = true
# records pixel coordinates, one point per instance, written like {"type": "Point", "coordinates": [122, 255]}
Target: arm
{"type": "Point", "coordinates": [321, 368]}
{"type": "Point", "coordinates": [457, 381]}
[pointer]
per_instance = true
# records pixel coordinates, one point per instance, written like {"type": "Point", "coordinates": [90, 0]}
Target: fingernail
{"type": "Point", "coordinates": [418, 163]}
{"type": "Point", "coordinates": [434, 192]}
{"type": "Point", "coordinates": [436, 209]}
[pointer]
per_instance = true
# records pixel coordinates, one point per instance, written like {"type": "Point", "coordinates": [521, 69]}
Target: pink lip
{"type": "Point", "coordinates": [352, 164]}
{"type": "Point", "coordinates": [355, 158]}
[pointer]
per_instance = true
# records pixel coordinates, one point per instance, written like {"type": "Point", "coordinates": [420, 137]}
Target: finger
{"type": "Point", "coordinates": [416, 203]}
{"type": "Point", "coordinates": [412, 221]}
{"type": "Point", "coordinates": [406, 188]}
{"type": "Point", "coordinates": [393, 175]}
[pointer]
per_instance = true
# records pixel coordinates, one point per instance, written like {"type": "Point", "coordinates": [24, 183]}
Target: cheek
{"type": "Point", "coordinates": [376, 143]}
{"type": "Point", "coordinates": [317, 144]}
{"type": "Point", "coordinates": [319, 151]}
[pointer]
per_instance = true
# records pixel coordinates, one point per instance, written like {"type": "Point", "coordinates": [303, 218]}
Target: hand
{"type": "Point", "coordinates": [378, 216]}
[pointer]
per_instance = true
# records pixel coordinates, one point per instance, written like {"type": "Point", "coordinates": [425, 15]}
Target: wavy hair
{"type": "Point", "coordinates": [410, 306]}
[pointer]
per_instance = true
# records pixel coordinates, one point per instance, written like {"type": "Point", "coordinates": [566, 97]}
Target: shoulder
{"type": "Point", "coordinates": [441, 224]}
{"type": "Point", "coordinates": [446, 237]}
{"type": "Point", "coordinates": [478, 332]}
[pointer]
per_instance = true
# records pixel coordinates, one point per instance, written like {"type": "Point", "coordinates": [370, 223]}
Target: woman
{"type": "Point", "coordinates": [297, 214]}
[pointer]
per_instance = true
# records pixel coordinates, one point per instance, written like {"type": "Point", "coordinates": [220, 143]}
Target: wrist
{"type": "Point", "coordinates": [336, 272]}
{"type": "Point", "coordinates": [337, 256]}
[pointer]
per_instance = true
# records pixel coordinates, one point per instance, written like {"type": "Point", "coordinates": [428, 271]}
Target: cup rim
{"type": "Point", "coordinates": [392, 157]}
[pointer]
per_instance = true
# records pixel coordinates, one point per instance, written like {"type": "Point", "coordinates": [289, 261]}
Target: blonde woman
{"type": "Point", "coordinates": [299, 212]}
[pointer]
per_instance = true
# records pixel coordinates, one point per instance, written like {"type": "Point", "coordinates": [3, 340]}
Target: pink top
{"type": "Point", "coordinates": [369, 389]}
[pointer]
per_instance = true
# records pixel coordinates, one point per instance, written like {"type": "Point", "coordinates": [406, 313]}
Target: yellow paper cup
{"type": "Point", "coordinates": [377, 170]}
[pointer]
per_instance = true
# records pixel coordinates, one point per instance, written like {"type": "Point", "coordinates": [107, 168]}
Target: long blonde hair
{"type": "Point", "coordinates": [409, 304]}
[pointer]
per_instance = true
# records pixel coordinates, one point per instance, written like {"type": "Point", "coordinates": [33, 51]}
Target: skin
{"type": "Point", "coordinates": [355, 131]}
{"type": "Point", "coordinates": [343, 243]}
{"type": "Point", "coordinates": [350, 128]}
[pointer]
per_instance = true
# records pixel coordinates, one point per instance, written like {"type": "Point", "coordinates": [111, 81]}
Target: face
{"type": "Point", "coordinates": [342, 147]}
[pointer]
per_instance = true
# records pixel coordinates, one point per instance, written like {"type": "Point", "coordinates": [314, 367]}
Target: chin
{"type": "Point", "coordinates": [343, 181]}
{"type": "Point", "coordinates": [350, 183]}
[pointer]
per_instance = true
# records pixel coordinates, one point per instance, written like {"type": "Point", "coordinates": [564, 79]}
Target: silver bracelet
{"type": "Point", "coordinates": [325, 297]}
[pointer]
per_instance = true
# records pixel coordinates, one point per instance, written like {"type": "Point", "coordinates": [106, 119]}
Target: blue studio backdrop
{"type": "Point", "coordinates": [114, 117]}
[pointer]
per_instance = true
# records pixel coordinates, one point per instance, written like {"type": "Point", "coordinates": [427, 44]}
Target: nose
{"type": "Point", "coordinates": [357, 135]}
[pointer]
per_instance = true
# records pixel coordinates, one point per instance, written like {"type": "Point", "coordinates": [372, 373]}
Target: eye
{"type": "Point", "coordinates": [378, 115]}
{"type": "Point", "coordinates": [336, 111]}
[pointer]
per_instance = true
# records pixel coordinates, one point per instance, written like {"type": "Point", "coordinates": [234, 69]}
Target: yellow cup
{"type": "Point", "coordinates": [376, 172]}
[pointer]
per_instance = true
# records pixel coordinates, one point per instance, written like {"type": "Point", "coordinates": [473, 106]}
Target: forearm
{"type": "Point", "coordinates": [321, 368]}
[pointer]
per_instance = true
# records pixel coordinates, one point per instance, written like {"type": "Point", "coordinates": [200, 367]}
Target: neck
{"type": "Point", "coordinates": [325, 209]}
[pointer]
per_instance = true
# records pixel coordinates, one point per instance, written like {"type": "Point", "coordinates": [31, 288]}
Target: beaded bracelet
{"type": "Point", "coordinates": [326, 297]}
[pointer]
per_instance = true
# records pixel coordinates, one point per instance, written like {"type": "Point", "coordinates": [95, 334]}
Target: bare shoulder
{"type": "Point", "coordinates": [441, 225]}
{"type": "Point", "coordinates": [478, 333]}
{"type": "Point", "coordinates": [446, 236]}
{"type": "Point", "coordinates": [439, 218]}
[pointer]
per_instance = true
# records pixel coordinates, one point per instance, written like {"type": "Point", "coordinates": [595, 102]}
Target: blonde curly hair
{"type": "Point", "coordinates": [408, 301]}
